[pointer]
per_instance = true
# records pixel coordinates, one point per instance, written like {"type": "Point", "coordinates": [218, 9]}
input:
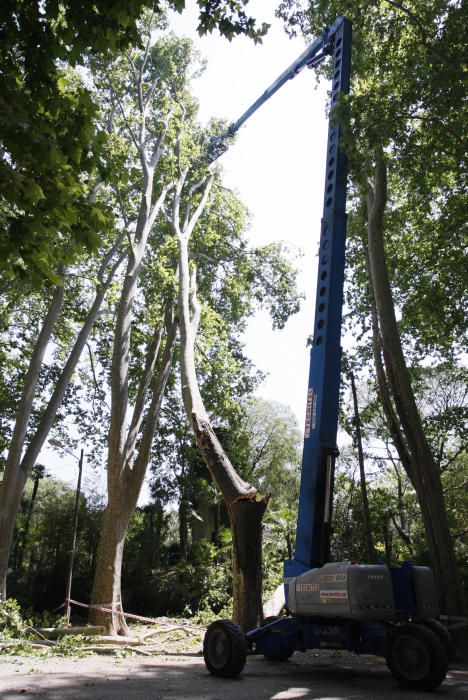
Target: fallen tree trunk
{"type": "Point", "coordinates": [275, 603]}
{"type": "Point", "coordinates": [246, 507]}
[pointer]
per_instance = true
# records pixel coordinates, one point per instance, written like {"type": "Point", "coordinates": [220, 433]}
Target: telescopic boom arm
{"type": "Point", "coordinates": [321, 424]}
{"type": "Point", "coordinates": [312, 56]}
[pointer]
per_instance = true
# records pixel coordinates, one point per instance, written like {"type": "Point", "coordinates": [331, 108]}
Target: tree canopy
{"type": "Point", "coordinates": [52, 148]}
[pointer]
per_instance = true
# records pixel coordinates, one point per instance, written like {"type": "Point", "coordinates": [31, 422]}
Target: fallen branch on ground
{"type": "Point", "coordinates": [55, 632]}
{"type": "Point", "coordinates": [118, 641]}
{"type": "Point", "coordinates": [22, 642]}
{"type": "Point", "coordinates": [115, 649]}
{"type": "Point", "coordinates": [183, 628]}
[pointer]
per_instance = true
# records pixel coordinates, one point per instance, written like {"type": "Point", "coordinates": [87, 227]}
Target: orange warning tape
{"type": "Point", "coordinates": [131, 616]}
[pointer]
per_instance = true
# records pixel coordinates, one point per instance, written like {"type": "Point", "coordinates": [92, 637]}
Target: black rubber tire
{"type": "Point", "coordinates": [416, 656]}
{"type": "Point", "coordinates": [225, 648]}
{"type": "Point", "coordinates": [444, 635]}
{"type": "Point", "coordinates": [285, 654]}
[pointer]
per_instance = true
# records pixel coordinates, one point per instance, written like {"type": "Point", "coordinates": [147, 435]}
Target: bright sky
{"type": "Point", "coordinates": [277, 167]}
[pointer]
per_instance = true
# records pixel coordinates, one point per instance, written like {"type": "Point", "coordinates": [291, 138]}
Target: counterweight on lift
{"type": "Point", "coordinates": [368, 608]}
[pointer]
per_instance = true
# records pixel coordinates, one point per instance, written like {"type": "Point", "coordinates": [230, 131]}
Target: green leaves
{"type": "Point", "coordinates": [32, 192]}
{"type": "Point", "coordinates": [229, 18]}
{"type": "Point", "coordinates": [408, 99]}
{"type": "Point", "coordinates": [52, 150]}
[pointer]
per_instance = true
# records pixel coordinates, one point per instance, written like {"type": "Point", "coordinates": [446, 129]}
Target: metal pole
{"type": "Point", "coordinates": [73, 541]}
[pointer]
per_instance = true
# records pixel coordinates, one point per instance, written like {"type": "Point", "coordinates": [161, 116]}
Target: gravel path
{"type": "Point", "coordinates": [324, 676]}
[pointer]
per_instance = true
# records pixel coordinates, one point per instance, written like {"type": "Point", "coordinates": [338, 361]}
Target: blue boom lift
{"type": "Point", "coordinates": [365, 608]}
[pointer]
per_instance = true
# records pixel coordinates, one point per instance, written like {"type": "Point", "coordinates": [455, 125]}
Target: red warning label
{"type": "Point", "coordinates": [310, 395]}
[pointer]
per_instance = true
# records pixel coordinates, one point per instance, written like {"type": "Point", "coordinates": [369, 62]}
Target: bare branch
{"type": "Point", "coordinates": [179, 143]}
{"type": "Point", "coordinates": [142, 129]}
{"type": "Point", "coordinates": [93, 371]}
{"type": "Point", "coordinates": [455, 487]}
{"type": "Point", "coordinates": [261, 451]}
{"type": "Point", "coordinates": [127, 125]}
{"type": "Point", "coordinates": [109, 255]}
{"type": "Point", "coordinates": [148, 43]}
{"type": "Point", "coordinates": [453, 458]}
{"type": "Point", "coordinates": [133, 67]}
{"type": "Point", "coordinates": [157, 206]}
{"type": "Point", "coordinates": [149, 95]}
{"type": "Point", "coordinates": [113, 111]}
{"type": "Point", "coordinates": [191, 192]}
{"type": "Point", "coordinates": [176, 202]}
{"type": "Point", "coordinates": [405, 536]}
{"type": "Point", "coordinates": [199, 210]}
{"type": "Point", "coordinates": [208, 258]}
{"type": "Point", "coordinates": [152, 354]}
{"type": "Point", "coordinates": [25, 404]}
{"type": "Point", "coordinates": [125, 219]}
{"type": "Point", "coordinates": [152, 416]}
{"type": "Point", "coordinates": [63, 381]}
{"type": "Point", "coordinates": [122, 208]}
{"type": "Point", "coordinates": [157, 150]}
{"type": "Point", "coordinates": [94, 192]}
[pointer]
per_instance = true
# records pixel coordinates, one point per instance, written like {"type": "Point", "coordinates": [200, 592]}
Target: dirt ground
{"type": "Point", "coordinates": [182, 674]}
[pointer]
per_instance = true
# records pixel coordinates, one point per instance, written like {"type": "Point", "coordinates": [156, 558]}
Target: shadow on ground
{"type": "Point", "coordinates": [164, 677]}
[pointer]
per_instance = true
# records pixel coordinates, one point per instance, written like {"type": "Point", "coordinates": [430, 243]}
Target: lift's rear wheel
{"type": "Point", "coordinates": [416, 657]}
{"type": "Point", "coordinates": [444, 635]}
{"type": "Point", "coordinates": [225, 648]}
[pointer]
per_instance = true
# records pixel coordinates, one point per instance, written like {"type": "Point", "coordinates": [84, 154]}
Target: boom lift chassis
{"type": "Point", "coordinates": [370, 609]}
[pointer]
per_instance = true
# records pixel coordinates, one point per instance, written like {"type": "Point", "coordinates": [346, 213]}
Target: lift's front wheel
{"type": "Point", "coordinates": [416, 657]}
{"type": "Point", "coordinates": [225, 648]}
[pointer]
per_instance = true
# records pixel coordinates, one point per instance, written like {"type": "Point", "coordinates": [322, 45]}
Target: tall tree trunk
{"type": "Point", "coordinates": [391, 417]}
{"type": "Point", "coordinates": [387, 543]}
{"type": "Point", "coordinates": [19, 465]}
{"type": "Point", "coordinates": [106, 592]}
{"type": "Point", "coordinates": [63, 381]}
{"type": "Point", "coordinates": [183, 527]}
{"type": "Point", "coordinates": [424, 472]}
{"type": "Point", "coordinates": [401, 525]}
{"type": "Point", "coordinates": [22, 541]}
{"type": "Point", "coordinates": [362, 473]}
{"type": "Point", "coordinates": [246, 525]}
{"type": "Point", "coordinates": [124, 486]}
{"type": "Point", "coordinates": [126, 467]}
{"type": "Point", "coordinates": [14, 478]}
{"type": "Point", "coordinates": [156, 544]}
